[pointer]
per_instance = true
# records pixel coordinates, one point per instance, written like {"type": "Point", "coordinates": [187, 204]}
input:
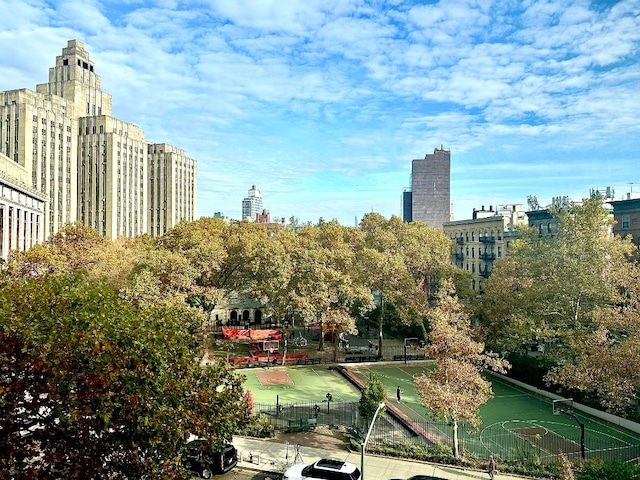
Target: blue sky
{"type": "Point", "coordinates": [322, 104]}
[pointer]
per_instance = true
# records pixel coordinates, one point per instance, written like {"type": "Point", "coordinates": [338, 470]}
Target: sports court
{"type": "Point", "coordinates": [512, 422]}
{"type": "Point", "coordinates": [513, 419]}
{"type": "Point", "coordinates": [297, 384]}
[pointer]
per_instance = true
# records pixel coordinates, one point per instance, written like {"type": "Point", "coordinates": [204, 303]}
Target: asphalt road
{"type": "Point", "coordinates": [239, 473]}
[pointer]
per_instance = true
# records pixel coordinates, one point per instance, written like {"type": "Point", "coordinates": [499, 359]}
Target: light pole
{"type": "Point", "coordinates": [366, 439]}
{"type": "Point", "coordinates": [405, 347]}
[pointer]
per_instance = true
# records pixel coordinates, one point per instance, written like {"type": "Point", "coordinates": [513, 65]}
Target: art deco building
{"type": "Point", "coordinates": [83, 164]}
{"type": "Point", "coordinates": [112, 190]}
{"type": "Point", "coordinates": [39, 135]}
{"type": "Point", "coordinates": [172, 187]}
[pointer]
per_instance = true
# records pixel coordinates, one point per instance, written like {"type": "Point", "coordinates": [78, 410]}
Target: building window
{"type": "Point", "coordinates": [625, 222]}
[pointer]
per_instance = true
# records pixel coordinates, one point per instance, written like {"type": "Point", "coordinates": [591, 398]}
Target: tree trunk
{"type": "Point", "coordinates": [454, 426]}
{"type": "Point", "coordinates": [321, 342]}
{"type": "Point", "coordinates": [380, 323]}
{"type": "Point", "coordinates": [425, 334]}
{"type": "Point", "coordinates": [284, 354]}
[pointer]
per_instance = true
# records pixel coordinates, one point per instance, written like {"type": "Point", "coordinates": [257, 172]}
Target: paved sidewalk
{"type": "Point", "coordinates": [268, 455]}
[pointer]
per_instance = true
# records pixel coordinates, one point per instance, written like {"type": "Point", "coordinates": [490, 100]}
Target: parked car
{"type": "Point", "coordinates": [200, 460]}
{"type": "Point", "coordinates": [324, 469]}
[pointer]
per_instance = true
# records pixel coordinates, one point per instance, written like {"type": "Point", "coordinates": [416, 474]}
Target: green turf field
{"type": "Point", "coordinates": [513, 420]}
{"type": "Point", "coordinates": [310, 383]}
{"type": "Point", "coordinates": [513, 413]}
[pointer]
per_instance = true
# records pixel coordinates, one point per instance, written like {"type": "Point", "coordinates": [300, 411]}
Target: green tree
{"type": "Point", "coordinates": [95, 387]}
{"type": "Point", "coordinates": [402, 261]}
{"type": "Point", "coordinates": [455, 388]}
{"type": "Point", "coordinates": [549, 287]}
{"type": "Point", "coordinates": [229, 259]}
{"type": "Point", "coordinates": [317, 280]}
{"type": "Point", "coordinates": [372, 395]}
{"type": "Point", "coordinates": [578, 292]}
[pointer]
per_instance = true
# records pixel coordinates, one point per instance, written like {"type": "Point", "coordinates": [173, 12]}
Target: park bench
{"type": "Point", "coordinates": [262, 363]}
{"type": "Point", "coordinates": [360, 358]}
{"type": "Point", "coordinates": [309, 361]}
{"type": "Point", "coordinates": [400, 358]}
{"type": "Point", "coordinates": [302, 424]}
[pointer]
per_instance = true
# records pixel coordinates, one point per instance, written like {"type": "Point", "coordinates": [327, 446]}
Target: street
{"type": "Point", "coordinates": [239, 473]}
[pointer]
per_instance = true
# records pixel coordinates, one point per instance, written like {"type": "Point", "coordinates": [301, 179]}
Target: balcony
{"type": "Point", "coordinates": [488, 257]}
{"type": "Point", "coordinates": [487, 239]}
{"type": "Point", "coordinates": [460, 240]}
{"type": "Point", "coordinates": [484, 273]}
{"type": "Point", "coordinates": [459, 256]}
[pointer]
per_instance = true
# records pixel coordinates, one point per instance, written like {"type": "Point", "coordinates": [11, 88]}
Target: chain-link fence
{"type": "Point", "coordinates": [392, 428]}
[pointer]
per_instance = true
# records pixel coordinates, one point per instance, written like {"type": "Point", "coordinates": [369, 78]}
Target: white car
{"type": "Point", "coordinates": [324, 469]}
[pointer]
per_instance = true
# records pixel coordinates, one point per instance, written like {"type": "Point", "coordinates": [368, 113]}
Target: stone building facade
{"type": "Point", "coordinates": [626, 214]}
{"type": "Point", "coordinates": [82, 164]}
{"type": "Point", "coordinates": [478, 242]}
{"type": "Point", "coordinates": [21, 209]}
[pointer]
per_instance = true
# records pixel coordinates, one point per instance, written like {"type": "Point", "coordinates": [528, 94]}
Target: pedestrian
{"type": "Point", "coordinates": [398, 392]}
{"type": "Point", "coordinates": [491, 468]}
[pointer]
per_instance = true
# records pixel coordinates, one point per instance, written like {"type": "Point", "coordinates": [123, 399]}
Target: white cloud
{"type": "Point", "coordinates": [304, 98]}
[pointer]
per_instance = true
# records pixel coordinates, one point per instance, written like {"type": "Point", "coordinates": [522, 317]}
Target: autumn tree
{"type": "Point", "coordinates": [549, 287]}
{"type": "Point", "coordinates": [230, 259]}
{"type": "Point", "coordinates": [319, 278]}
{"type": "Point", "coordinates": [400, 261]}
{"type": "Point", "coordinates": [455, 388]}
{"type": "Point", "coordinates": [96, 387]}
{"type": "Point", "coordinates": [578, 292]}
{"type": "Point", "coordinates": [75, 247]}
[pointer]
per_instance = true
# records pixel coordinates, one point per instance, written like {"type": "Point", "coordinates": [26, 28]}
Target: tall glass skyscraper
{"type": "Point", "coordinates": [252, 204]}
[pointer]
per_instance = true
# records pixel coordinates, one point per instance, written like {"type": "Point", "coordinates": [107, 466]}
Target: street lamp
{"type": "Point", "coordinates": [366, 439]}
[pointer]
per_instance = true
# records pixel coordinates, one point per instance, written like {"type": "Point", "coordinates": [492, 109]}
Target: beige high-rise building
{"type": "Point", "coordinates": [172, 187]}
{"type": "Point", "coordinates": [74, 79]}
{"type": "Point", "coordinates": [112, 176]}
{"type": "Point", "coordinates": [39, 135]}
{"type": "Point", "coordinates": [82, 164]}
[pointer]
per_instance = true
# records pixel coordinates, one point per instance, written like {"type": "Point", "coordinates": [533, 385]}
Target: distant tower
{"type": "Point", "coordinates": [431, 188]}
{"type": "Point", "coordinates": [406, 205]}
{"type": "Point", "coordinates": [252, 204]}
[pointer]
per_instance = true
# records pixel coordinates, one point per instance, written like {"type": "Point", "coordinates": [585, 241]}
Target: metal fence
{"type": "Point", "coordinates": [393, 430]}
{"type": "Point", "coordinates": [359, 354]}
{"type": "Point", "coordinates": [332, 413]}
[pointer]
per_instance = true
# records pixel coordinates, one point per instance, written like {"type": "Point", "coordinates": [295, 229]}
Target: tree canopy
{"type": "Point", "coordinates": [95, 386]}
{"type": "Point", "coordinates": [576, 291]}
{"type": "Point", "coordinates": [455, 388]}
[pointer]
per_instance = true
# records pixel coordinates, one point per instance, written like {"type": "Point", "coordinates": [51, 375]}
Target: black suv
{"type": "Point", "coordinates": [200, 460]}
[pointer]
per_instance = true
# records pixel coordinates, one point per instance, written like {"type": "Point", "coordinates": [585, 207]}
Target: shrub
{"type": "Point", "coordinates": [598, 469]}
{"type": "Point", "coordinates": [259, 427]}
